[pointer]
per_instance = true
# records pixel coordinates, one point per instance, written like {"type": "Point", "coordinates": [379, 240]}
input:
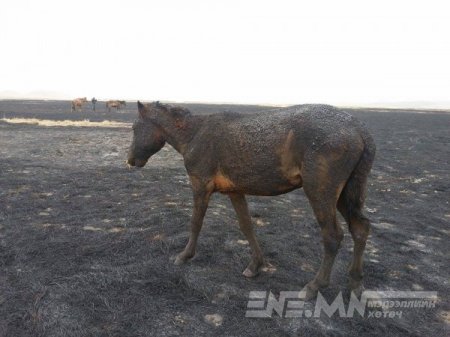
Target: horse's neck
{"type": "Point", "coordinates": [180, 136]}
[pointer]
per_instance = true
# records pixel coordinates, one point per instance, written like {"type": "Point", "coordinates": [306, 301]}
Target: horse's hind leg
{"type": "Point", "coordinates": [322, 186]}
{"type": "Point", "coordinates": [359, 227]}
{"type": "Point", "coordinates": [325, 212]}
{"type": "Point", "coordinates": [350, 205]}
{"type": "Point", "coordinates": [241, 208]}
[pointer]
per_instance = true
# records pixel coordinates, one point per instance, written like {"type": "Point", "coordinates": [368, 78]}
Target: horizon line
{"type": "Point", "coordinates": [388, 106]}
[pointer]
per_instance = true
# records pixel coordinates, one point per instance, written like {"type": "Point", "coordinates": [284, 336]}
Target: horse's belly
{"type": "Point", "coordinates": [267, 184]}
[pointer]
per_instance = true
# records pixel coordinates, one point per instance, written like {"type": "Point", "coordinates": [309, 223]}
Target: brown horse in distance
{"type": "Point", "coordinates": [115, 104]}
{"type": "Point", "coordinates": [323, 149]}
{"type": "Point", "coordinates": [78, 103]}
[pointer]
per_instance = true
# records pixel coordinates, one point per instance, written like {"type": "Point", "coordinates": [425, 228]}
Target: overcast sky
{"type": "Point", "coordinates": [279, 52]}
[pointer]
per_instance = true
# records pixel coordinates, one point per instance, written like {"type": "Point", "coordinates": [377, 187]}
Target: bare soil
{"type": "Point", "coordinates": [86, 244]}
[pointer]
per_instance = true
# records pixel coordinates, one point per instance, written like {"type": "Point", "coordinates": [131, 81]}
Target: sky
{"type": "Point", "coordinates": [345, 52]}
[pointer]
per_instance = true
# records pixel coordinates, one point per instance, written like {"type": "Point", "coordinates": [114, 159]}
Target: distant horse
{"type": "Point", "coordinates": [115, 104]}
{"type": "Point", "coordinates": [318, 147]}
{"type": "Point", "coordinates": [77, 103]}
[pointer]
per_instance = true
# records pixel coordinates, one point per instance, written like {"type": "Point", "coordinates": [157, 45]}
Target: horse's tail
{"type": "Point", "coordinates": [351, 200]}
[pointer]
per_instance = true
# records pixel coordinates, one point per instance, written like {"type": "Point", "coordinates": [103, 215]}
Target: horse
{"type": "Point", "coordinates": [77, 103]}
{"type": "Point", "coordinates": [115, 104]}
{"type": "Point", "coordinates": [319, 148]}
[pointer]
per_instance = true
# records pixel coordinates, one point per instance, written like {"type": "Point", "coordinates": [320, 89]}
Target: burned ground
{"type": "Point", "coordinates": [86, 245]}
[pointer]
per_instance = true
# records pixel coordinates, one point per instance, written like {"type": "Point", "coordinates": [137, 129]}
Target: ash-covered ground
{"type": "Point", "coordinates": [86, 245]}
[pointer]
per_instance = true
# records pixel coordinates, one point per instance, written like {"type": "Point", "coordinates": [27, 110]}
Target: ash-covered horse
{"type": "Point", "coordinates": [318, 147]}
{"type": "Point", "coordinates": [115, 104]}
{"type": "Point", "coordinates": [78, 103]}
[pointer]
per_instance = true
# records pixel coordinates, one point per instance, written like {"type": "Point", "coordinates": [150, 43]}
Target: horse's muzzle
{"type": "Point", "coordinates": [136, 162]}
{"type": "Point", "coordinates": [131, 162]}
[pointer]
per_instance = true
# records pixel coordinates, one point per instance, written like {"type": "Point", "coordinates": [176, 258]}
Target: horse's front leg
{"type": "Point", "coordinates": [201, 200]}
{"type": "Point", "coordinates": [245, 223]}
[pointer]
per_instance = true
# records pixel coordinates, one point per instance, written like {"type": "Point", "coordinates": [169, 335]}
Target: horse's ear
{"type": "Point", "coordinates": [141, 109]}
{"type": "Point", "coordinates": [160, 106]}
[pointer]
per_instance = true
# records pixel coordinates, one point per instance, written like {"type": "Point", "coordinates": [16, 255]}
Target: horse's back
{"type": "Point", "coordinates": [308, 122]}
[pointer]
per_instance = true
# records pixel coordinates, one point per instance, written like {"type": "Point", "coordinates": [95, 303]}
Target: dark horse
{"type": "Point", "coordinates": [318, 147]}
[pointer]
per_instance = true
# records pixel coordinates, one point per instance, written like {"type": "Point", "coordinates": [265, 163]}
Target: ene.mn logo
{"type": "Point", "coordinates": [372, 304]}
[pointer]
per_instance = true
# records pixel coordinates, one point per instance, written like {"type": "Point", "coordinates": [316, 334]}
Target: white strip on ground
{"type": "Point", "coordinates": [83, 123]}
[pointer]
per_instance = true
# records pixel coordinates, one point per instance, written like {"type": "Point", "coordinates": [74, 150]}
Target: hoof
{"type": "Point", "coordinates": [181, 259]}
{"type": "Point", "coordinates": [309, 292]}
{"type": "Point", "coordinates": [354, 283]}
{"type": "Point", "coordinates": [248, 273]}
{"type": "Point", "coordinates": [356, 288]}
{"type": "Point", "coordinates": [253, 269]}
